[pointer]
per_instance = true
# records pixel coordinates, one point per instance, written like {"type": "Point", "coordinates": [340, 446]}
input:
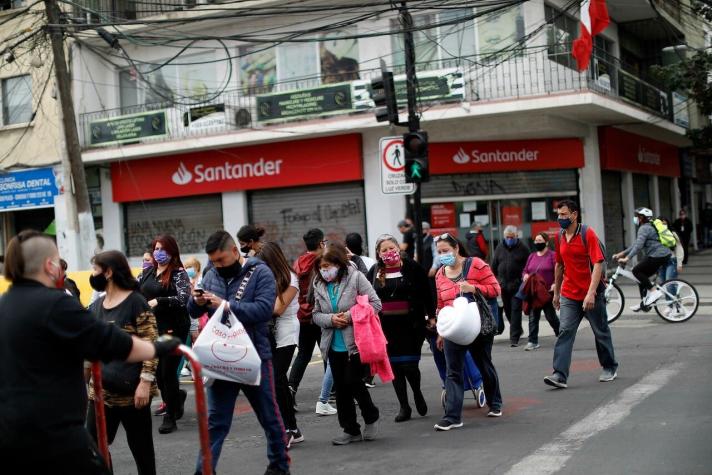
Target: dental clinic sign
{"type": "Point", "coordinates": [502, 156]}
{"type": "Point", "coordinates": [274, 165]}
{"type": "Point", "coordinates": [33, 188]}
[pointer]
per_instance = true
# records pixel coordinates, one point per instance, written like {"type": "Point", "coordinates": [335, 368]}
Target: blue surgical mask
{"type": "Point", "coordinates": [565, 223]}
{"type": "Point", "coordinates": [447, 259]}
{"type": "Point", "coordinates": [191, 272]}
{"type": "Point", "coordinates": [510, 242]}
{"type": "Point", "coordinates": [636, 221]}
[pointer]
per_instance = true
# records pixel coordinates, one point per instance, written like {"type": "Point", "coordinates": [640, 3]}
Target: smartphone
{"type": "Point", "coordinates": [199, 291]}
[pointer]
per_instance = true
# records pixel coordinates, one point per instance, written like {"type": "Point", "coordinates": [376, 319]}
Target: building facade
{"type": "Point", "coordinates": [284, 137]}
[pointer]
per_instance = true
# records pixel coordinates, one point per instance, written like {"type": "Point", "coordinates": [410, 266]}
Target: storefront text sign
{"type": "Point", "coordinates": [326, 100]}
{"type": "Point", "coordinates": [128, 128]}
{"type": "Point", "coordinates": [35, 188]}
{"type": "Point", "coordinates": [511, 155]}
{"type": "Point", "coordinates": [442, 215]}
{"type": "Point", "coordinates": [624, 151]}
{"type": "Point", "coordinates": [274, 165]}
{"type": "Point", "coordinates": [392, 162]}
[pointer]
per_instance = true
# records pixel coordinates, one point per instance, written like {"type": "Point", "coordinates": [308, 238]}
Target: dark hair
{"type": "Point", "coordinates": [663, 218]}
{"type": "Point", "coordinates": [313, 239]}
{"type": "Point", "coordinates": [354, 242]}
{"type": "Point", "coordinates": [249, 233]}
{"type": "Point", "coordinates": [169, 245]}
{"type": "Point", "coordinates": [570, 204]}
{"type": "Point", "coordinates": [64, 264]}
{"type": "Point", "coordinates": [219, 241]}
{"type": "Point", "coordinates": [454, 242]}
{"type": "Point", "coordinates": [273, 256]}
{"type": "Point", "coordinates": [14, 268]}
{"type": "Point", "coordinates": [335, 253]}
{"type": "Point", "coordinates": [380, 265]}
{"type": "Point", "coordinates": [544, 235]}
{"type": "Point", "coordinates": [120, 269]}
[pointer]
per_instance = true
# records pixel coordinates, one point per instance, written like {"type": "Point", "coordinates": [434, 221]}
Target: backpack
{"type": "Point", "coordinates": [582, 231]}
{"type": "Point", "coordinates": [667, 238]}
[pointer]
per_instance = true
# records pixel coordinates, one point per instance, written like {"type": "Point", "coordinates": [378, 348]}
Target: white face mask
{"type": "Point", "coordinates": [329, 273]}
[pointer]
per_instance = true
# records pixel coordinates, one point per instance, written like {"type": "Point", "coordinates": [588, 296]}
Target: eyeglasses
{"type": "Point", "coordinates": [443, 236]}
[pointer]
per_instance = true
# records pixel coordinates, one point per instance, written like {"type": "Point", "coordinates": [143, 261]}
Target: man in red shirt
{"type": "Point", "coordinates": [578, 293]}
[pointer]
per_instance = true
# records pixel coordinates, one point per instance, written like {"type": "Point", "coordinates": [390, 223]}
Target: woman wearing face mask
{"type": "Point", "coordinates": [125, 404]}
{"type": "Point", "coordinates": [166, 286]}
{"type": "Point", "coordinates": [404, 290]}
{"type": "Point", "coordinates": [451, 283]}
{"type": "Point", "coordinates": [541, 262]}
{"type": "Point", "coordinates": [336, 286]}
{"type": "Point", "coordinates": [250, 239]}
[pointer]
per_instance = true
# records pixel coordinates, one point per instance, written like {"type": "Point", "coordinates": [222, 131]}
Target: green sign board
{"type": "Point", "coordinates": [128, 128]}
{"type": "Point", "coordinates": [331, 99]}
{"type": "Point", "coordinates": [430, 88]}
{"type": "Point", "coordinates": [197, 113]}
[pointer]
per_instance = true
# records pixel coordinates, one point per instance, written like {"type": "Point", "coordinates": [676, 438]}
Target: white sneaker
{"type": "Point", "coordinates": [325, 409]}
{"type": "Point", "coordinates": [652, 297]}
{"type": "Point", "coordinates": [185, 372]}
{"type": "Point", "coordinates": [635, 308]}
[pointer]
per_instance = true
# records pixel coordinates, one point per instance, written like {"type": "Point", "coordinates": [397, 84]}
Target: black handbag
{"type": "Point", "coordinates": [488, 324]}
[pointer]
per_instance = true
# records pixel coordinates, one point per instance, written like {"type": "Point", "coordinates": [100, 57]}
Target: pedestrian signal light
{"type": "Point", "coordinates": [415, 146]}
{"type": "Point", "coordinates": [383, 93]}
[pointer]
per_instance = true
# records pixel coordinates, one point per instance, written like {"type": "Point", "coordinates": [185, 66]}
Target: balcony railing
{"type": "Point", "coordinates": [532, 73]}
{"type": "Point", "coordinates": [95, 11]}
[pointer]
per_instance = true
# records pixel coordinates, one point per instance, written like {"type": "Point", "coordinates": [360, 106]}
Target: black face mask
{"type": "Point", "coordinates": [98, 282]}
{"type": "Point", "coordinates": [230, 271]}
{"type": "Point", "coordinates": [539, 246]}
{"type": "Point", "coordinates": [245, 249]}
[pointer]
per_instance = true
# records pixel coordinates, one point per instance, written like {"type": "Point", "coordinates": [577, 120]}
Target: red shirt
{"type": "Point", "coordinates": [577, 261]}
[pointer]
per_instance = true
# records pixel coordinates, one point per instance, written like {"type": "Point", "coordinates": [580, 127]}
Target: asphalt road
{"type": "Point", "coordinates": [654, 419]}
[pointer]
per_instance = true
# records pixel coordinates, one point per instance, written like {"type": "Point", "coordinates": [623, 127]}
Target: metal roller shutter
{"type": "Point", "coordinates": [665, 187]}
{"type": "Point", "coordinates": [190, 220]}
{"type": "Point", "coordinates": [613, 210]}
{"type": "Point", "coordinates": [287, 214]}
{"type": "Point", "coordinates": [500, 184]}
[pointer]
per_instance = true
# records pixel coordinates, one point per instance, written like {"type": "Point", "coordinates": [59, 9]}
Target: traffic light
{"type": "Point", "coordinates": [415, 145]}
{"type": "Point", "coordinates": [383, 93]}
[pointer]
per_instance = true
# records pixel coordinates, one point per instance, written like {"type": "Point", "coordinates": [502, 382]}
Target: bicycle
{"type": "Point", "coordinates": [678, 304]}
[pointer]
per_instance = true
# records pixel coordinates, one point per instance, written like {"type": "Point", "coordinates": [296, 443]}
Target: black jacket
{"type": "Point", "coordinates": [683, 228]}
{"type": "Point", "coordinates": [508, 264]}
{"type": "Point", "coordinates": [427, 261]}
{"type": "Point", "coordinates": [45, 336]}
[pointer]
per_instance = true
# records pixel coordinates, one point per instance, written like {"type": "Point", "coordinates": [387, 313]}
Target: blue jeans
{"type": "Point", "coordinates": [221, 406]}
{"type": "Point", "coordinates": [668, 271]}
{"type": "Point", "coordinates": [570, 315]}
{"type": "Point", "coordinates": [481, 351]}
{"type": "Point", "coordinates": [326, 384]}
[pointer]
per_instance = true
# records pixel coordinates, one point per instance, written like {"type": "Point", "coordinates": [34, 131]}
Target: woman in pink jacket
{"type": "Point", "coordinates": [451, 283]}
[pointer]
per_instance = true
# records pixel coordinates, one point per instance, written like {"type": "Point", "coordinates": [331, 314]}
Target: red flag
{"type": "Point", "coordinates": [594, 19]}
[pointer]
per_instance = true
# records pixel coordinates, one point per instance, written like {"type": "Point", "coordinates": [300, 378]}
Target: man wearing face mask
{"type": "Point", "coordinates": [508, 262]}
{"type": "Point", "coordinates": [220, 284]}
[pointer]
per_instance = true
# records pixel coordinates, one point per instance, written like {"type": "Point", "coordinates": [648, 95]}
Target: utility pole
{"type": "Point", "coordinates": [413, 120]}
{"type": "Point", "coordinates": [80, 232]}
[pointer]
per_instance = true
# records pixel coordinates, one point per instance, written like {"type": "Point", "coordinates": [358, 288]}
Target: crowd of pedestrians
{"type": "Point", "coordinates": [286, 309]}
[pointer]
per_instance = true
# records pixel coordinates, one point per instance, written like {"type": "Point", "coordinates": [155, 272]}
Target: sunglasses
{"type": "Point", "coordinates": [443, 236]}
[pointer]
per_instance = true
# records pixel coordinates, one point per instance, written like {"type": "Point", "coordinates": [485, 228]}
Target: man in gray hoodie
{"type": "Point", "coordinates": [656, 255]}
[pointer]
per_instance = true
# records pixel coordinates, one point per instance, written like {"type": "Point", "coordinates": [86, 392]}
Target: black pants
{"type": "Point", "coordinates": [535, 315]}
{"type": "Point", "coordinates": [685, 248]}
{"type": "Point", "coordinates": [168, 383]}
{"type": "Point", "coordinates": [646, 267]}
{"type": "Point", "coordinates": [513, 311]}
{"type": "Point", "coordinates": [347, 373]}
{"type": "Point", "coordinates": [37, 460]}
{"type": "Point", "coordinates": [139, 435]}
{"type": "Point", "coordinates": [309, 335]}
{"type": "Point", "coordinates": [281, 357]}
{"type": "Point", "coordinates": [404, 374]}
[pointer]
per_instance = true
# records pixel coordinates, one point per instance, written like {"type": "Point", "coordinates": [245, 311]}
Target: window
{"type": "Point", "coordinates": [17, 100]}
{"type": "Point", "coordinates": [299, 63]}
{"type": "Point", "coordinates": [339, 58]}
{"type": "Point", "coordinates": [192, 79]}
{"type": "Point", "coordinates": [500, 30]}
{"type": "Point", "coordinates": [563, 30]}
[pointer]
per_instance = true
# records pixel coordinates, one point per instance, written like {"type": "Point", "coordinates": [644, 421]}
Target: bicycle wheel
{"type": "Point", "coordinates": [615, 302]}
{"type": "Point", "coordinates": [679, 302]}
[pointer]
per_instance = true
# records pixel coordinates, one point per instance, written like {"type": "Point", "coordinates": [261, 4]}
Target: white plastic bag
{"type": "Point", "coordinates": [459, 322]}
{"type": "Point", "coordinates": [226, 352]}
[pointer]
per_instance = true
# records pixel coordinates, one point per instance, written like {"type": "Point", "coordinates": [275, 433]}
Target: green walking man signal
{"type": "Point", "coordinates": [415, 145]}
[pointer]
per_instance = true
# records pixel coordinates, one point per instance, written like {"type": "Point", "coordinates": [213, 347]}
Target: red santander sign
{"type": "Point", "coordinates": [501, 156]}
{"type": "Point", "coordinates": [272, 165]}
{"type": "Point", "coordinates": [621, 150]}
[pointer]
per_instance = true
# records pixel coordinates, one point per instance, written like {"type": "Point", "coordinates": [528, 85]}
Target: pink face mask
{"type": "Point", "coordinates": [391, 258]}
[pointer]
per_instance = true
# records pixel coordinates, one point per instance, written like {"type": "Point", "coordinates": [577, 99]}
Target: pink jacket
{"type": "Point", "coordinates": [370, 340]}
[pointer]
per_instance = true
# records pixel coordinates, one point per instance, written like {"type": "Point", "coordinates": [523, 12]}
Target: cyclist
{"type": "Point", "coordinates": [656, 255]}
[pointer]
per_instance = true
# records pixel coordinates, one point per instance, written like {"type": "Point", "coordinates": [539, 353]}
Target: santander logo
{"type": "Point", "coordinates": [182, 176]}
{"type": "Point", "coordinates": [461, 157]}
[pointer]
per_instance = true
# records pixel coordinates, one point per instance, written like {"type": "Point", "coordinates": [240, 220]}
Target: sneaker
{"type": "Point", "coordinates": [608, 375]}
{"type": "Point", "coordinates": [556, 380]}
{"type": "Point", "coordinates": [495, 413]}
{"type": "Point", "coordinates": [514, 344]}
{"type": "Point", "coordinates": [370, 383]}
{"type": "Point", "coordinates": [346, 438]}
{"type": "Point", "coordinates": [295, 436]}
{"type": "Point", "coordinates": [636, 308]}
{"type": "Point", "coordinates": [370, 431]}
{"type": "Point", "coordinates": [531, 346]}
{"type": "Point", "coordinates": [185, 372]}
{"type": "Point", "coordinates": [325, 409]}
{"type": "Point", "coordinates": [161, 411]}
{"type": "Point", "coordinates": [651, 297]}
{"type": "Point", "coordinates": [444, 424]}
{"type": "Point", "coordinates": [404, 414]}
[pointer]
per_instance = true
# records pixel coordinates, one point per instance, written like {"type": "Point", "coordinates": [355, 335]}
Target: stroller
{"type": "Point", "coordinates": [471, 378]}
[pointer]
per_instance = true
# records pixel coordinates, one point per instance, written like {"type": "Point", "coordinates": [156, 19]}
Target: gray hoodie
{"type": "Point", "coordinates": [353, 285]}
{"type": "Point", "coordinates": [649, 242]}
